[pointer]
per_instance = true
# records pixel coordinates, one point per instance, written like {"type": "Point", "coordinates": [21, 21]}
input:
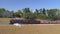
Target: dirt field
{"type": "Point", "coordinates": [28, 29]}
{"type": "Point", "coordinates": [31, 29]}
{"type": "Point", "coordinates": [4, 20]}
{"type": "Point", "coordinates": [7, 20]}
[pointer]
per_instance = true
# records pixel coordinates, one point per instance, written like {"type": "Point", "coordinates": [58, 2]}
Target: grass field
{"type": "Point", "coordinates": [31, 29]}
{"type": "Point", "coordinates": [4, 20]}
{"type": "Point", "coordinates": [28, 28]}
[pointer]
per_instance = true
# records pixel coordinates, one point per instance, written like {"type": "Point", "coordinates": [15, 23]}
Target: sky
{"type": "Point", "coordinates": [32, 4]}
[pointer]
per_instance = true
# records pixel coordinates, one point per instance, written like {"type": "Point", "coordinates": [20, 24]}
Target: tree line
{"type": "Point", "coordinates": [50, 14]}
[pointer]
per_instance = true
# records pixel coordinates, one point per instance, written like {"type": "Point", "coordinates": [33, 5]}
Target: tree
{"type": "Point", "coordinates": [4, 12]}
{"type": "Point", "coordinates": [36, 12]}
{"type": "Point", "coordinates": [13, 14]}
{"type": "Point", "coordinates": [32, 16]}
{"type": "Point", "coordinates": [40, 11]}
{"type": "Point", "coordinates": [52, 14]}
{"type": "Point", "coordinates": [18, 13]}
{"type": "Point", "coordinates": [26, 13]}
{"type": "Point", "coordinates": [58, 15]}
{"type": "Point", "coordinates": [42, 16]}
{"type": "Point", "coordinates": [26, 10]}
{"type": "Point", "coordinates": [44, 11]}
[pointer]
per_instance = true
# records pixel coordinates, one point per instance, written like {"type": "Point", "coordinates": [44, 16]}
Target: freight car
{"type": "Point", "coordinates": [26, 21]}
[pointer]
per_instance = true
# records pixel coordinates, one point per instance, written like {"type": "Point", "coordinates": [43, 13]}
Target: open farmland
{"type": "Point", "coordinates": [31, 29]}
{"type": "Point", "coordinates": [28, 28]}
{"type": "Point", "coordinates": [5, 20]}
